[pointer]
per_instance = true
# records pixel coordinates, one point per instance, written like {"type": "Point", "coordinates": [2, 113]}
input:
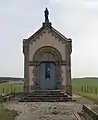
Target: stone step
{"type": "Point", "coordinates": [51, 91]}
{"type": "Point", "coordinates": [43, 93]}
{"type": "Point", "coordinates": [46, 91]}
{"type": "Point", "coordinates": [55, 95]}
{"type": "Point", "coordinates": [51, 100]}
{"type": "Point", "coordinates": [45, 96]}
{"type": "Point", "coordinates": [45, 100]}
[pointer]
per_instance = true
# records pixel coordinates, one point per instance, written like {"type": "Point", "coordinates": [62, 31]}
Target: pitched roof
{"type": "Point", "coordinates": [47, 25]}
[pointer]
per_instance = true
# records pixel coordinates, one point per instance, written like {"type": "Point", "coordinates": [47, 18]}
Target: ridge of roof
{"type": "Point", "coordinates": [49, 27]}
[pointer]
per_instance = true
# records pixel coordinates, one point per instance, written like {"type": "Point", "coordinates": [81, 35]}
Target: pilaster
{"type": "Point", "coordinates": [26, 67]}
{"type": "Point", "coordinates": [68, 68]}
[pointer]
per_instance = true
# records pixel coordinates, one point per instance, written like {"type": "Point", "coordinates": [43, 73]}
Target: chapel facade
{"type": "Point", "coordinates": [47, 60]}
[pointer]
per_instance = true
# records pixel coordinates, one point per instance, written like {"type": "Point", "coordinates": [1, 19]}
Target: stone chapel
{"type": "Point", "coordinates": [47, 60]}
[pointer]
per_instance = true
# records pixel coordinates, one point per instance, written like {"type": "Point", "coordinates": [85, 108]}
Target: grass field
{"type": "Point", "coordinates": [9, 87]}
{"type": "Point", "coordinates": [92, 83]}
{"type": "Point", "coordinates": [77, 83]}
{"type": "Point", "coordinates": [6, 88]}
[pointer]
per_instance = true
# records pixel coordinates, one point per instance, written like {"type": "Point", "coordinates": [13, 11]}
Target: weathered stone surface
{"type": "Point", "coordinates": [49, 110]}
{"type": "Point", "coordinates": [42, 111]}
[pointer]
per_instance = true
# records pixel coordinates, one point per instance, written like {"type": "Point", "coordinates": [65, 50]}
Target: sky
{"type": "Point", "coordinates": [76, 19]}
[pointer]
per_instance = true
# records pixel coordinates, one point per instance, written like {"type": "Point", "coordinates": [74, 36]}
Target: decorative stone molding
{"type": "Point", "coordinates": [36, 63]}
{"type": "Point", "coordinates": [48, 49]}
{"type": "Point", "coordinates": [35, 79]}
{"type": "Point", "coordinates": [53, 33]}
{"type": "Point", "coordinates": [37, 37]}
{"type": "Point", "coordinates": [58, 61]}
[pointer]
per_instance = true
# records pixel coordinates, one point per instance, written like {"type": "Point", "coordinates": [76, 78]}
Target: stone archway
{"type": "Point", "coordinates": [47, 49]}
{"type": "Point", "coordinates": [47, 53]}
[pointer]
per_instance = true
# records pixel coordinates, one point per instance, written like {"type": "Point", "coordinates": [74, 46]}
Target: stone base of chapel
{"type": "Point", "coordinates": [56, 95]}
{"type": "Point", "coordinates": [45, 96]}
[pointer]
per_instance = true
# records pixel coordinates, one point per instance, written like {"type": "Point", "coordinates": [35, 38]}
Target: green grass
{"type": "Point", "coordinates": [92, 83]}
{"type": "Point", "coordinates": [77, 83]}
{"type": "Point", "coordinates": [9, 87]}
{"type": "Point", "coordinates": [6, 114]}
{"type": "Point", "coordinates": [90, 96]}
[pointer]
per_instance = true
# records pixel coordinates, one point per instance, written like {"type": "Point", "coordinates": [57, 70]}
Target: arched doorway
{"type": "Point", "coordinates": [48, 68]}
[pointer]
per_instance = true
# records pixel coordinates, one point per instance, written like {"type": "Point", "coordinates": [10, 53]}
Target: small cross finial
{"type": "Point", "coordinates": [46, 15]}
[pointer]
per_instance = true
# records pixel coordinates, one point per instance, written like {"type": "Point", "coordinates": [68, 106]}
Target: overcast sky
{"type": "Point", "coordinates": [76, 19]}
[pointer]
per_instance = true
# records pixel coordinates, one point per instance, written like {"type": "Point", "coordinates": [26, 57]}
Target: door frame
{"type": "Point", "coordinates": [43, 62]}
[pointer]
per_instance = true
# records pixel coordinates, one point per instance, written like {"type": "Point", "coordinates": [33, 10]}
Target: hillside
{"type": "Point", "coordinates": [85, 78]}
{"type": "Point", "coordinates": [4, 79]}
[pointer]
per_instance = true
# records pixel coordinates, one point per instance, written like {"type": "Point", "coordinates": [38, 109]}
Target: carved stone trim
{"type": "Point", "coordinates": [35, 78]}
{"type": "Point", "coordinates": [36, 63]}
{"type": "Point", "coordinates": [47, 49]}
{"type": "Point", "coordinates": [54, 34]}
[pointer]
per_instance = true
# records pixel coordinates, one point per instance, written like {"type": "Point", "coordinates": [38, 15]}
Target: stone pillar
{"type": "Point", "coordinates": [63, 78]}
{"type": "Point", "coordinates": [36, 77]}
{"type": "Point", "coordinates": [69, 84]}
{"type": "Point", "coordinates": [58, 80]}
{"type": "Point", "coordinates": [26, 67]}
{"type": "Point", "coordinates": [68, 69]}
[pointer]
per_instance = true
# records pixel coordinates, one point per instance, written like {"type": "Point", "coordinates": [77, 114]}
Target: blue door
{"type": "Point", "coordinates": [47, 75]}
